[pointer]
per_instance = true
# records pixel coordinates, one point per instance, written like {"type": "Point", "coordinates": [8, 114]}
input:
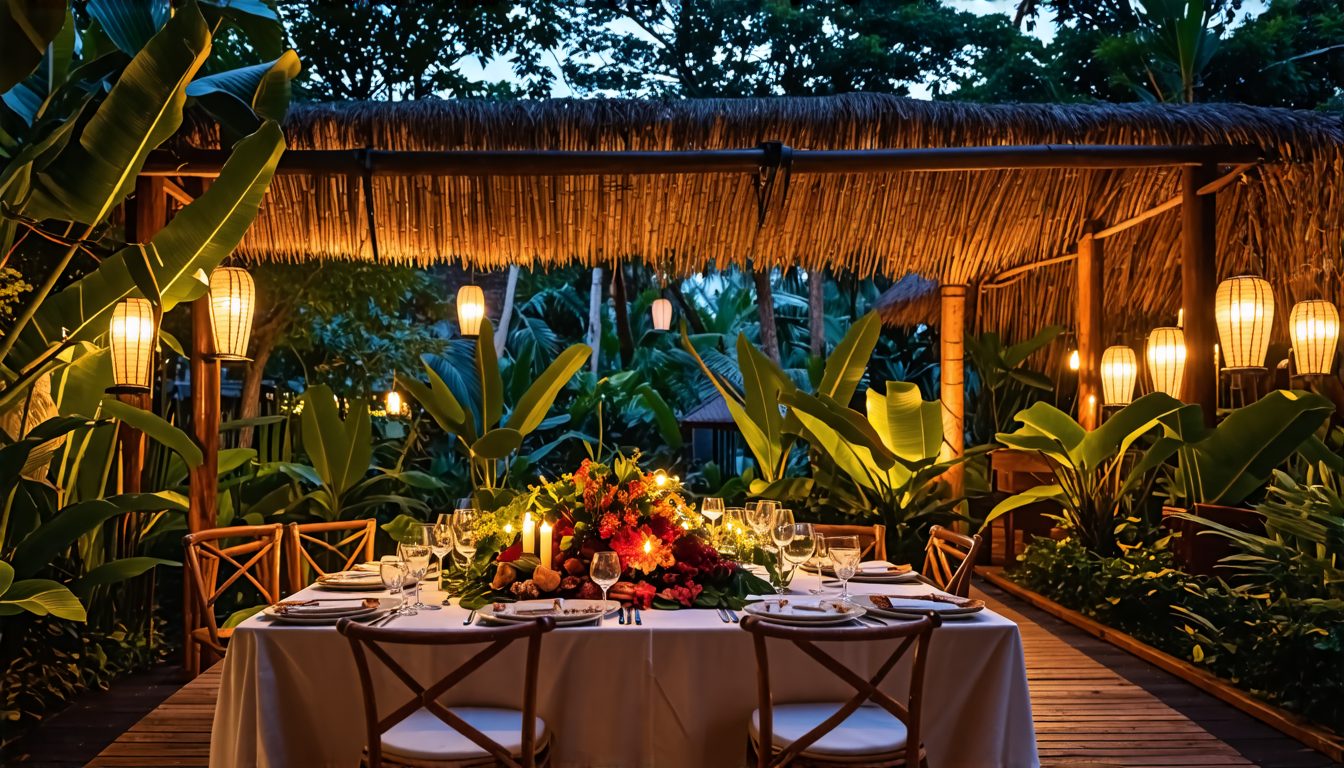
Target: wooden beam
{"type": "Point", "coordinates": [205, 415]}
{"type": "Point", "coordinates": [1091, 274]}
{"type": "Point", "coordinates": [1199, 282]}
{"type": "Point", "coordinates": [353, 162]}
{"type": "Point", "coordinates": [146, 214]}
{"type": "Point", "coordinates": [177, 193]}
{"type": "Point", "coordinates": [952, 378]}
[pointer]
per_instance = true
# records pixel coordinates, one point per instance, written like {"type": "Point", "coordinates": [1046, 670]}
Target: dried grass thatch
{"type": "Point", "coordinates": [1282, 220]}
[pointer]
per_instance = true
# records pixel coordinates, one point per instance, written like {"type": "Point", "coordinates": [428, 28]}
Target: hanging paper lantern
{"type": "Point", "coordinates": [233, 296]}
{"type": "Point", "coordinates": [1244, 309]}
{"type": "Point", "coordinates": [1074, 362]}
{"type": "Point", "coordinates": [1166, 360]}
{"type": "Point", "coordinates": [1314, 329]}
{"type": "Point", "coordinates": [131, 337]}
{"type": "Point", "coordinates": [470, 309]}
{"type": "Point", "coordinates": [662, 314]}
{"type": "Point", "coordinates": [394, 403]}
{"type": "Point", "coordinates": [1119, 371]}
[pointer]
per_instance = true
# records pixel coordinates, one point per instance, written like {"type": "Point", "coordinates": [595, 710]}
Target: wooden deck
{"type": "Point", "coordinates": [1087, 714]}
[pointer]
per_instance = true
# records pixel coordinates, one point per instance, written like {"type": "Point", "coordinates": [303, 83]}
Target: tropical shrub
{"type": "Point", "coordinates": [1007, 384]}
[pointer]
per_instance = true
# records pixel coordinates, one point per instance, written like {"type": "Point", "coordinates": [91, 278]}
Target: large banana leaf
{"type": "Point", "coordinates": [752, 434]}
{"type": "Point", "coordinates": [242, 98]}
{"type": "Point", "coordinates": [852, 458]}
{"type": "Point", "coordinates": [142, 110]}
{"type": "Point", "coordinates": [440, 403]}
{"type": "Point", "coordinates": [533, 406]}
{"type": "Point", "coordinates": [57, 534]}
{"type": "Point", "coordinates": [40, 597]}
{"type": "Point", "coordinates": [340, 450]}
{"type": "Point", "coordinates": [492, 384]}
{"type": "Point", "coordinates": [198, 238]}
{"type": "Point", "coordinates": [130, 24]}
{"type": "Point", "coordinates": [845, 367]}
{"type": "Point", "coordinates": [26, 28]}
{"type": "Point", "coordinates": [910, 427]}
{"type": "Point", "coordinates": [156, 428]}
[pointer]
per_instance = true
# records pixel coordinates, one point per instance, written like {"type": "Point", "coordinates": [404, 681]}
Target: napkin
{"type": "Point", "coordinates": [321, 610]}
{"type": "Point", "coordinates": [545, 607]}
{"type": "Point", "coordinates": [930, 597]}
{"type": "Point", "coordinates": [878, 567]}
{"type": "Point", "coordinates": [350, 576]}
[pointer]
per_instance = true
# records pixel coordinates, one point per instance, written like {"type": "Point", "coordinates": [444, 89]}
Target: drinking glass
{"type": "Point", "coordinates": [758, 516]}
{"type": "Point", "coordinates": [464, 534]}
{"type": "Point", "coordinates": [822, 557]}
{"type": "Point", "coordinates": [844, 552]}
{"type": "Point", "coordinates": [781, 533]}
{"type": "Point", "coordinates": [392, 572]}
{"type": "Point", "coordinates": [605, 571]}
{"type": "Point", "coordinates": [800, 546]}
{"type": "Point", "coordinates": [416, 556]}
{"type": "Point", "coordinates": [712, 509]}
{"type": "Point", "coordinates": [442, 545]}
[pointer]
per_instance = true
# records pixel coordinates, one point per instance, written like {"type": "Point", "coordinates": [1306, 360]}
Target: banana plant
{"type": "Point", "coordinates": [1093, 477]}
{"type": "Point", "coordinates": [486, 436]}
{"type": "Point", "coordinates": [891, 455]}
{"type": "Point", "coordinates": [769, 431]}
{"type": "Point", "coordinates": [1008, 384]}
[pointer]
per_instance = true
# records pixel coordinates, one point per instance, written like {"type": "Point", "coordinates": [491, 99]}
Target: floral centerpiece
{"type": "Point", "coordinates": [541, 543]}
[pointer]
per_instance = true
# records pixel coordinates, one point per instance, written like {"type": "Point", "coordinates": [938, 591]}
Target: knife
{"type": "Point", "coordinates": [731, 614]}
{"type": "Point", "coordinates": [638, 620]}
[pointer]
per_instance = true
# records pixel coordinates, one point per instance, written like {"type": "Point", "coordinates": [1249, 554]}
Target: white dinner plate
{"type": "Point", "coordinates": [794, 610]}
{"type": "Point", "coordinates": [571, 612]}
{"type": "Point", "coordinates": [864, 578]}
{"type": "Point", "coordinates": [364, 614]}
{"type": "Point", "coordinates": [906, 609]}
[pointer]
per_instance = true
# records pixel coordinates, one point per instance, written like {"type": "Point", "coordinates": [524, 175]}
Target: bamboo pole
{"type": "Point", "coordinates": [952, 378]}
{"type": "Point", "coordinates": [1091, 271]}
{"type": "Point", "coordinates": [1199, 283]}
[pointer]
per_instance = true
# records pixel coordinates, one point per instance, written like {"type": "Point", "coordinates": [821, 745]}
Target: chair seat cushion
{"type": "Point", "coordinates": [424, 736]}
{"type": "Point", "coordinates": [870, 730]}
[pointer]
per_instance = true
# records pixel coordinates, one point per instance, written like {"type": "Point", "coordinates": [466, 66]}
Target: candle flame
{"type": "Point", "coordinates": [648, 546]}
{"type": "Point", "coordinates": [508, 527]}
{"type": "Point", "coordinates": [659, 478]}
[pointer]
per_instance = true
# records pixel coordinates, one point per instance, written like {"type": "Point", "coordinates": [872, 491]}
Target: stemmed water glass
{"type": "Point", "coordinates": [605, 571]}
{"type": "Point", "coordinates": [759, 514]}
{"type": "Point", "coordinates": [464, 534]}
{"type": "Point", "coordinates": [392, 572]}
{"type": "Point", "coordinates": [845, 553]}
{"type": "Point", "coordinates": [801, 546]}
{"type": "Point", "coordinates": [416, 556]}
{"type": "Point", "coordinates": [822, 556]}
{"type": "Point", "coordinates": [781, 533]}
{"type": "Point", "coordinates": [441, 543]}
{"type": "Point", "coordinates": [712, 508]}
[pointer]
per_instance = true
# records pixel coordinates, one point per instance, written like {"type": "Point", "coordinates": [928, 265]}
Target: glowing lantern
{"type": "Point", "coordinates": [662, 314]}
{"type": "Point", "coordinates": [1166, 360]}
{"type": "Point", "coordinates": [394, 404]}
{"type": "Point", "coordinates": [1244, 309]}
{"type": "Point", "coordinates": [1074, 362]}
{"type": "Point", "coordinates": [1119, 370]}
{"type": "Point", "coordinates": [470, 309]}
{"type": "Point", "coordinates": [1314, 329]}
{"type": "Point", "coordinates": [233, 296]}
{"type": "Point", "coordinates": [131, 336]}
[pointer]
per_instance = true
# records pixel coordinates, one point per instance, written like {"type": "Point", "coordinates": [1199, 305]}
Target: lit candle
{"type": "Point", "coordinates": [529, 535]}
{"type": "Point", "coordinates": [546, 544]}
{"type": "Point", "coordinates": [648, 546]}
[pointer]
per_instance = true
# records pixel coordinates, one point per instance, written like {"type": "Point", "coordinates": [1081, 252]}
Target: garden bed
{"type": "Point", "coordinates": [1312, 735]}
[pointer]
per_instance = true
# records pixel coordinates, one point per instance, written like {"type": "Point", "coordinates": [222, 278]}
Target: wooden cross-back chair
{"type": "Point", "coordinates": [876, 730]}
{"type": "Point", "coordinates": [218, 560]}
{"type": "Point", "coordinates": [872, 538]}
{"type": "Point", "coordinates": [300, 538]}
{"type": "Point", "coordinates": [944, 547]}
{"type": "Point", "coordinates": [423, 732]}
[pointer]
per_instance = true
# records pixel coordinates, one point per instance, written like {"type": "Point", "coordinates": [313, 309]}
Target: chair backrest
{"type": "Point", "coordinates": [366, 641]}
{"type": "Point", "coordinates": [946, 546]}
{"type": "Point", "coordinates": [872, 538]}
{"type": "Point", "coordinates": [218, 559]}
{"type": "Point", "coordinates": [309, 548]}
{"type": "Point", "coordinates": [914, 633]}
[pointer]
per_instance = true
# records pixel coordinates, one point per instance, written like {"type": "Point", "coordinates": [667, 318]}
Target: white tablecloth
{"type": "Point", "coordinates": [677, 691]}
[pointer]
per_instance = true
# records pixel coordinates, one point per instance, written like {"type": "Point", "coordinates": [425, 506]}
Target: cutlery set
{"type": "Point", "coordinates": [728, 615]}
{"type": "Point", "coordinates": [630, 615]}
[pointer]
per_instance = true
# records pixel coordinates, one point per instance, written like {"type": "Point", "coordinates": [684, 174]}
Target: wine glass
{"type": "Point", "coordinates": [392, 572]}
{"type": "Point", "coordinates": [845, 553]}
{"type": "Point", "coordinates": [822, 558]}
{"type": "Point", "coordinates": [798, 549]}
{"type": "Point", "coordinates": [712, 508]}
{"type": "Point", "coordinates": [416, 556]}
{"type": "Point", "coordinates": [605, 571]}
{"type": "Point", "coordinates": [758, 516]}
{"type": "Point", "coordinates": [781, 533]}
{"type": "Point", "coordinates": [464, 534]}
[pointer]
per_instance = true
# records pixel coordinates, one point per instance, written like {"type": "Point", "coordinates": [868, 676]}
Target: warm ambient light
{"type": "Point", "coordinates": [1313, 327]}
{"type": "Point", "coordinates": [470, 309]}
{"type": "Point", "coordinates": [394, 403]}
{"type": "Point", "coordinates": [233, 296]}
{"type": "Point", "coordinates": [648, 546]}
{"type": "Point", "coordinates": [131, 336]}
{"type": "Point", "coordinates": [1244, 309]}
{"type": "Point", "coordinates": [1166, 360]}
{"type": "Point", "coordinates": [1119, 370]}
{"type": "Point", "coordinates": [1074, 361]}
{"type": "Point", "coordinates": [662, 314]}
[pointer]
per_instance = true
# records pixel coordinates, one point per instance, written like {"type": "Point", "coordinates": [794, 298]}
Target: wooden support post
{"type": "Point", "coordinates": [1091, 329]}
{"type": "Point", "coordinates": [204, 419]}
{"type": "Point", "coordinates": [146, 214]}
{"type": "Point", "coordinates": [1199, 283]}
{"type": "Point", "coordinates": [952, 375]}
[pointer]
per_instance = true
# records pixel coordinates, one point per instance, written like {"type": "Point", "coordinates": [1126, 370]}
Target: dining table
{"type": "Point", "coordinates": [677, 689]}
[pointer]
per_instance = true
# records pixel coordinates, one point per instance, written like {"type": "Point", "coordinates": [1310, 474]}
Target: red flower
{"type": "Point", "coordinates": [644, 593]}
{"type": "Point", "coordinates": [685, 595]}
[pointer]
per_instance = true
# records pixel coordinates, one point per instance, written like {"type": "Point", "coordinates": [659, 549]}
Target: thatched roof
{"type": "Point", "coordinates": [1284, 219]}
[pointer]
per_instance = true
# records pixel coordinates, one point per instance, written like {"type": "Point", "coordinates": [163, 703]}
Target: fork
{"type": "Point", "coordinates": [723, 615]}
{"type": "Point", "coordinates": [731, 614]}
{"type": "Point", "coordinates": [639, 621]}
{"type": "Point", "coordinates": [470, 618]}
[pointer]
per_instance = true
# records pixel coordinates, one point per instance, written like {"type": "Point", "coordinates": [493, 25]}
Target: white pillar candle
{"type": "Point", "coordinates": [546, 544]}
{"type": "Point", "coordinates": [529, 535]}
